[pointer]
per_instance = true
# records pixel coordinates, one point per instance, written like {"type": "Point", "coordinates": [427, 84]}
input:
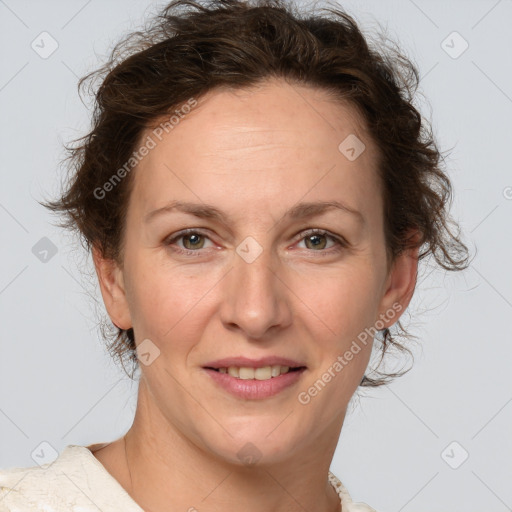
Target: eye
{"type": "Point", "coordinates": [191, 239]}
{"type": "Point", "coordinates": [313, 240]}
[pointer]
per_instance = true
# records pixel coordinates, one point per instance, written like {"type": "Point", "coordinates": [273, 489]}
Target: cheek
{"type": "Point", "coordinates": [342, 309]}
{"type": "Point", "coordinates": [166, 300]}
{"type": "Point", "coordinates": [342, 303]}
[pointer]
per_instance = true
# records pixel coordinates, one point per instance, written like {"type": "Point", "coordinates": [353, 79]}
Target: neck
{"type": "Point", "coordinates": [166, 470]}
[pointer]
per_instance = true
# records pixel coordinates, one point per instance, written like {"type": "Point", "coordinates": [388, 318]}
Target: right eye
{"type": "Point", "coordinates": [191, 237]}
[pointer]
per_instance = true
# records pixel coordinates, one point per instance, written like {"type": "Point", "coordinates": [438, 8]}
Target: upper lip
{"type": "Point", "coordinates": [253, 363]}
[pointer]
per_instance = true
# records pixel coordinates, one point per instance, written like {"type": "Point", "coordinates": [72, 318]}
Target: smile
{"type": "Point", "coordinates": [255, 383]}
{"type": "Point", "coordinates": [262, 373]}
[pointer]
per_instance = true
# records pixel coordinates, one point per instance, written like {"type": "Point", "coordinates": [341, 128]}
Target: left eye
{"type": "Point", "coordinates": [314, 236]}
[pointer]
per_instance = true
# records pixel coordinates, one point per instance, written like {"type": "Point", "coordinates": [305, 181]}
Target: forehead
{"type": "Point", "coordinates": [253, 148]}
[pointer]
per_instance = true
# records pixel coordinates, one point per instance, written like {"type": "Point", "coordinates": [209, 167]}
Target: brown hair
{"type": "Point", "coordinates": [191, 48]}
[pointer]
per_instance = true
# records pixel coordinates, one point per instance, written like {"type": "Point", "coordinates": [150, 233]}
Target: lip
{"type": "Point", "coordinates": [253, 363]}
{"type": "Point", "coordinates": [253, 389]}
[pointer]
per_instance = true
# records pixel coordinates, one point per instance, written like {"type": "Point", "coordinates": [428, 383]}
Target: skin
{"type": "Point", "coordinates": [253, 154]}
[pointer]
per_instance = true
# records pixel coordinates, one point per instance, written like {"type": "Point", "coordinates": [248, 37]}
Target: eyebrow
{"type": "Point", "coordinates": [299, 211]}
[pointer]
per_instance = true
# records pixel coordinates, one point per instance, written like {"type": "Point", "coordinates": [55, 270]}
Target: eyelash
{"type": "Point", "coordinates": [341, 243]}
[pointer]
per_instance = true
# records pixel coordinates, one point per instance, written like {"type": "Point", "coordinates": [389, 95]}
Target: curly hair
{"type": "Point", "coordinates": [191, 48]}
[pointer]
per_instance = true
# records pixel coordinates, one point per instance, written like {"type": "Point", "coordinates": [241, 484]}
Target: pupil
{"type": "Point", "coordinates": [317, 237]}
{"type": "Point", "coordinates": [189, 237]}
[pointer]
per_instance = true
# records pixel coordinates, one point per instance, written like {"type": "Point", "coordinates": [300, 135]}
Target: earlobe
{"type": "Point", "coordinates": [400, 286]}
{"type": "Point", "coordinates": [112, 286]}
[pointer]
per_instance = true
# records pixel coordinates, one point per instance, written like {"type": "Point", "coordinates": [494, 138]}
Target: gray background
{"type": "Point", "coordinates": [57, 384]}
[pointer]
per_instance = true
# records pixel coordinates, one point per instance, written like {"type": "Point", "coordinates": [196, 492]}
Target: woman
{"type": "Point", "coordinates": [255, 192]}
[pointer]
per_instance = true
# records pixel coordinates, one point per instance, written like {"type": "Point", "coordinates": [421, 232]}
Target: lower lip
{"type": "Point", "coordinates": [252, 389]}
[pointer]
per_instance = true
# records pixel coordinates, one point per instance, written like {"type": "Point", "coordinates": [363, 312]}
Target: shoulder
{"type": "Point", "coordinates": [27, 488]}
{"type": "Point", "coordinates": [347, 505]}
{"type": "Point", "coordinates": [73, 481]}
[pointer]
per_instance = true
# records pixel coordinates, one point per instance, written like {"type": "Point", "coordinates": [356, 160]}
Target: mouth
{"type": "Point", "coordinates": [261, 373]}
{"type": "Point", "coordinates": [255, 383]}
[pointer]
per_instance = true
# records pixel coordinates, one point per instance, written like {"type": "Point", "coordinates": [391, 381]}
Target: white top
{"type": "Point", "coordinates": [77, 481]}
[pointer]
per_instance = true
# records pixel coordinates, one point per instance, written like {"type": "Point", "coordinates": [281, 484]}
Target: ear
{"type": "Point", "coordinates": [400, 284]}
{"type": "Point", "coordinates": [111, 281]}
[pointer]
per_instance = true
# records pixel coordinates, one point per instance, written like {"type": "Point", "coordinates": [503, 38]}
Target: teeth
{"type": "Point", "coordinates": [264, 373]}
{"type": "Point", "coordinates": [233, 371]}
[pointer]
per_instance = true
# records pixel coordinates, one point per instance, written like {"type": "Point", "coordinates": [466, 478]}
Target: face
{"type": "Point", "coordinates": [262, 278]}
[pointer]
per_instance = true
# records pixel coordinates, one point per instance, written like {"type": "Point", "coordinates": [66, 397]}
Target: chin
{"type": "Point", "coordinates": [253, 447]}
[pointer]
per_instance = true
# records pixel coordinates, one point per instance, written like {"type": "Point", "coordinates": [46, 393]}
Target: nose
{"type": "Point", "coordinates": [256, 299]}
